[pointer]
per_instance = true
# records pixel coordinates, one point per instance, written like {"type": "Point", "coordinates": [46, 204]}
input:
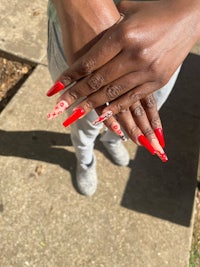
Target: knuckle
{"type": "Point", "coordinates": [127, 36]}
{"type": "Point", "coordinates": [120, 108]}
{"type": "Point", "coordinates": [86, 66]}
{"type": "Point", "coordinates": [134, 97]}
{"type": "Point", "coordinates": [149, 102]}
{"type": "Point", "coordinates": [157, 73]}
{"type": "Point", "coordinates": [155, 122]}
{"type": "Point", "coordinates": [113, 91]}
{"type": "Point", "coordinates": [73, 94]}
{"type": "Point", "coordinates": [134, 133]}
{"type": "Point", "coordinates": [66, 79]}
{"type": "Point", "coordinates": [138, 111]}
{"type": "Point", "coordinates": [132, 130]}
{"type": "Point", "coordinates": [148, 132]}
{"type": "Point", "coordinates": [143, 55]}
{"type": "Point", "coordinates": [95, 81]}
{"type": "Point", "coordinates": [88, 105]}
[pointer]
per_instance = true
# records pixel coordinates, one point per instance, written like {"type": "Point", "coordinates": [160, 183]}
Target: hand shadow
{"type": "Point", "coordinates": [166, 190]}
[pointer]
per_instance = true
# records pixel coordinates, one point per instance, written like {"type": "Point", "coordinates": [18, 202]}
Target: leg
{"type": "Point", "coordinates": [83, 133]}
{"type": "Point", "coordinates": [162, 94]}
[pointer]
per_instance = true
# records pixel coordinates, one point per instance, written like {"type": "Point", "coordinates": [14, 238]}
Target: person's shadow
{"type": "Point", "coordinates": [162, 190]}
{"type": "Point", "coordinates": [167, 190]}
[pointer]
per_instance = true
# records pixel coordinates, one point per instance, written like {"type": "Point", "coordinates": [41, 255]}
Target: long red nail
{"type": "Point", "coordinates": [162, 156]}
{"type": "Point", "coordinates": [159, 150]}
{"type": "Point", "coordinates": [57, 87]}
{"type": "Point", "coordinates": [159, 134]}
{"type": "Point", "coordinates": [77, 114]}
{"type": "Point", "coordinates": [145, 142]}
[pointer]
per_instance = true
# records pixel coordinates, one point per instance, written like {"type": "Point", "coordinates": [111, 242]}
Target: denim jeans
{"type": "Point", "coordinates": [83, 133]}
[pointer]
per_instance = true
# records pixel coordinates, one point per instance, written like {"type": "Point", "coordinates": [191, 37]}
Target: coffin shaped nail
{"type": "Point", "coordinates": [76, 114]}
{"type": "Point", "coordinates": [58, 109]}
{"type": "Point", "coordinates": [159, 134]}
{"type": "Point", "coordinates": [145, 142]}
{"type": "Point", "coordinates": [159, 150]}
{"type": "Point", "coordinates": [57, 87]}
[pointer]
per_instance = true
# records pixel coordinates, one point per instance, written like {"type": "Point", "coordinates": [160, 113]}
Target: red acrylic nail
{"type": "Point", "coordinates": [159, 134]}
{"type": "Point", "coordinates": [145, 142]}
{"type": "Point", "coordinates": [57, 87]}
{"type": "Point", "coordinates": [162, 156]}
{"type": "Point", "coordinates": [77, 114]}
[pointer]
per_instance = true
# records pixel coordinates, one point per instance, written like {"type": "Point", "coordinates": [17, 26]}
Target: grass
{"type": "Point", "coordinates": [195, 249]}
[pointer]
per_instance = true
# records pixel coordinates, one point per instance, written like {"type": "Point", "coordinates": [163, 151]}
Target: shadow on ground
{"type": "Point", "coordinates": [167, 190]}
{"type": "Point", "coordinates": [161, 190]}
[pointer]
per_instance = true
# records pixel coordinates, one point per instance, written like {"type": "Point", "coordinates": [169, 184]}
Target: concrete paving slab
{"type": "Point", "coordinates": [23, 28]}
{"type": "Point", "coordinates": [140, 216]}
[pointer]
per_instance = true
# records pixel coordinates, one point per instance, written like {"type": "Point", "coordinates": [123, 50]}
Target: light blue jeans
{"type": "Point", "coordinates": [83, 133]}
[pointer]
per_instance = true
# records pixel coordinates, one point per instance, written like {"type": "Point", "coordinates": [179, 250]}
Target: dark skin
{"type": "Point", "coordinates": [138, 117]}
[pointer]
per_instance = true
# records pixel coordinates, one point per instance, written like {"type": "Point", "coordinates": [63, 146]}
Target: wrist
{"type": "Point", "coordinates": [82, 23]}
{"type": "Point", "coordinates": [99, 15]}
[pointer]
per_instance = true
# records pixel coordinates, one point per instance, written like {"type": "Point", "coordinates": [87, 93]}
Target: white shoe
{"type": "Point", "coordinates": [118, 152]}
{"type": "Point", "coordinates": [86, 178]}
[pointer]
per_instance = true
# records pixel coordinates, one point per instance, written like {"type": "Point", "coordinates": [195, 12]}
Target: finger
{"type": "Point", "coordinates": [133, 131]}
{"type": "Point", "coordinates": [117, 106]}
{"type": "Point", "coordinates": [105, 94]}
{"type": "Point", "coordinates": [79, 112]}
{"type": "Point", "coordinates": [122, 103]}
{"type": "Point", "coordinates": [143, 123]}
{"type": "Point", "coordinates": [111, 71]}
{"type": "Point", "coordinates": [101, 53]}
{"type": "Point", "coordinates": [150, 106]}
{"type": "Point", "coordinates": [132, 96]}
{"type": "Point", "coordinates": [110, 122]}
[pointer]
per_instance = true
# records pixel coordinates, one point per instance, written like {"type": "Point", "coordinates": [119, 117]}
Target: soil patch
{"type": "Point", "coordinates": [13, 73]}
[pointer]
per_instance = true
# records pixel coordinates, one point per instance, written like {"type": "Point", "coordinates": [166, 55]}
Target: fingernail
{"type": "Point", "coordinates": [58, 109]}
{"type": "Point", "coordinates": [116, 128]}
{"type": "Point", "coordinates": [57, 87]}
{"type": "Point", "coordinates": [145, 142]}
{"type": "Point", "coordinates": [103, 117]}
{"type": "Point", "coordinates": [162, 156]}
{"type": "Point", "coordinates": [77, 114]}
{"type": "Point", "coordinates": [159, 151]}
{"type": "Point", "coordinates": [159, 134]}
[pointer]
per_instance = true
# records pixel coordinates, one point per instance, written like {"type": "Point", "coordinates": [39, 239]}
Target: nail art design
{"type": "Point", "coordinates": [58, 109]}
{"type": "Point", "coordinates": [162, 156]}
{"type": "Point", "coordinates": [145, 142]}
{"type": "Point", "coordinates": [159, 134]}
{"type": "Point", "coordinates": [57, 87]}
{"type": "Point", "coordinates": [116, 128]}
{"type": "Point", "coordinates": [159, 151]}
{"type": "Point", "coordinates": [106, 115]}
{"type": "Point", "coordinates": [77, 114]}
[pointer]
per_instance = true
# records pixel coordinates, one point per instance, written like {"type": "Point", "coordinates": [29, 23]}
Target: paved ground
{"type": "Point", "coordinates": [141, 215]}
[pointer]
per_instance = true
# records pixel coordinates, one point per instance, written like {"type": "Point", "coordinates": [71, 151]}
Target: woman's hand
{"type": "Point", "coordinates": [140, 121]}
{"type": "Point", "coordinates": [138, 55]}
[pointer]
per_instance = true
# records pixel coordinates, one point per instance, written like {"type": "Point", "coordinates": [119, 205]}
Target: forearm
{"type": "Point", "coordinates": [82, 21]}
